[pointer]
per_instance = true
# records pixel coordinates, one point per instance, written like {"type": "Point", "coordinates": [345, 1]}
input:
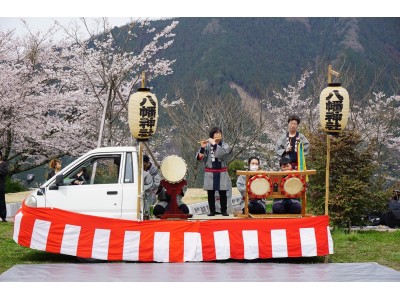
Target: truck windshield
{"type": "Point", "coordinates": [96, 170]}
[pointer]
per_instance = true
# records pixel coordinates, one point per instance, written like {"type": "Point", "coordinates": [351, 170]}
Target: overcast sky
{"type": "Point", "coordinates": [40, 14]}
{"type": "Point", "coordinates": [43, 23]}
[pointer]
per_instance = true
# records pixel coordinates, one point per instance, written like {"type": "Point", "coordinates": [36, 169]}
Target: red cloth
{"type": "Point", "coordinates": [60, 231]}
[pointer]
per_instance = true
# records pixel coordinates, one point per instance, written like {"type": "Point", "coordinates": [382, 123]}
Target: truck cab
{"type": "Point", "coordinates": [103, 182]}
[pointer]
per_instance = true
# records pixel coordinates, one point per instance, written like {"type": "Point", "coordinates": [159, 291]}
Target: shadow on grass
{"type": "Point", "coordinates": [45, 257]}
{"type": "Point", "coordinates": [38, 257]}
{"type": "Point", "coordinates": [286, 260]}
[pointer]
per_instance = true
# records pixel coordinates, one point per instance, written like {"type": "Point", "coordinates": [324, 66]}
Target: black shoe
{"type": "Point", "coordinates": [225, 214]}
{"type": "Point", "coordinates": [4, 220]}
{"type": "Point", "coordinates": [211, 215]}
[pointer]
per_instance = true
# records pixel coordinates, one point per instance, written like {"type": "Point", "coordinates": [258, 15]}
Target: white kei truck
{"type": "Point", "coordinates": [109, 189]}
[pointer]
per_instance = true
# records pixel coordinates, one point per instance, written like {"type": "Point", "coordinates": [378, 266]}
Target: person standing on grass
{"type": "Point", "coordinates": [3, 173]}
{"type": "Point", "coordinates": [55, 166]}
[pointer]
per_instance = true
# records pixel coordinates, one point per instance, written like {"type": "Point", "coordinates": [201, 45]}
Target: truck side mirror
{"type": "Point", "coordinates": [30, 178]}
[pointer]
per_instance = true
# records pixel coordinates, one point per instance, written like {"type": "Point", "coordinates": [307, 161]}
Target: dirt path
{"type": "Point", "coordinates": [16, 197]}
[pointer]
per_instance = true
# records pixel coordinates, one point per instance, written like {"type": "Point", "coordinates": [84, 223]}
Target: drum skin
{"type": "Point", "coordinates": [173, 168]}
{"type": "Point", "coordinates": [259, 186]}
{"type": "Point", "coordinates": [293, 185]}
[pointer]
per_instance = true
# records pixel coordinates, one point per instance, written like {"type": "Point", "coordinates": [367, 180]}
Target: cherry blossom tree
{"type": "Point", "coordinates": [378, 122]}
{"type": "Point", "coordinates": [36, 123]}
{"type": "Point", "coordinates": [53, 94]}
{"type": "Point", "coordinates": [106, 68]}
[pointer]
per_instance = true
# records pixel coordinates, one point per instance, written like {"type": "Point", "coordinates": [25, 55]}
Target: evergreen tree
{"type": "Point", "coordinates": [353, 191]}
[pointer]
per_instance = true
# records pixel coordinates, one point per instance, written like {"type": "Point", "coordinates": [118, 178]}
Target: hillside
{"type": "Point", "coordinates": [258, 52]}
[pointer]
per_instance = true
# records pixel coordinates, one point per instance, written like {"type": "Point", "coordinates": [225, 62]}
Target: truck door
{"type": "Point", "coordinates": [130, 188]}
{"type": "Point", "coordinates": [92, 187]}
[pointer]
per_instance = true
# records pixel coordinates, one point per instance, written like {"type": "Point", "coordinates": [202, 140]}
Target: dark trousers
{"type": "Point", "coordinates": [3, 207]}
{"type": "Point", "coordinates": [160, 210]}
{"type": "Point", "coordinates": [222, 199]}
{"type": "Point", "coordinates": [286, 207]}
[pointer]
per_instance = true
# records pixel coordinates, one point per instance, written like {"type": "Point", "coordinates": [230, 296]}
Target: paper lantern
{"type": "Point", "coordinates": [334, 108]}
{"type": "Point", "coordinates": [143, 114]}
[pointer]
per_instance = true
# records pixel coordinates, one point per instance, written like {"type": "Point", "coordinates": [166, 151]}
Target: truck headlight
{"type": "Point", "coordinates": [31, 201]}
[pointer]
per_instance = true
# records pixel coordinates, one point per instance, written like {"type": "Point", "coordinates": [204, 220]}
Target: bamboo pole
{"type": "Point", "coordinates": [329, 74]}
{"type": "Point", "coordinates": [152, 155]}
{"type": "Point", "coordinates": [140, 165]}
{"type": "Point", "coordinates": [140, 179]}
{"type": "Point", "coordinates": [328, 158]}
{"type": "Point", "coordinates": [328, 154]}
{"type": "Point", "coordinates": [143, 79]}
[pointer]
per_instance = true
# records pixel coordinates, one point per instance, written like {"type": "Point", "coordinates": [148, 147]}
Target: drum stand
{"type": "Point", "coordinates": [276, 193]}
{"type": "Point", "coordinates": [173, 190]}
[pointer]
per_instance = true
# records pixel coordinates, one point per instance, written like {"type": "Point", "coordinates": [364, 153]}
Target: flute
{"type": "Point", "coordinates": [206, 141]}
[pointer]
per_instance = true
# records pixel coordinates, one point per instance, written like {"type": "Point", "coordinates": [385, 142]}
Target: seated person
{"type": "Point", "coordinates": [150, 192]}
{"type": "Point", "coordinates": [256, 206]}
{"type": "Point", "coordinates": [81, 177]}
{"type": "Point", "coordinates": [286, 205]}
{"type": "Point", "coordinates": [162, 204]}
{"type": "Point", "coordinates": [147, 184]}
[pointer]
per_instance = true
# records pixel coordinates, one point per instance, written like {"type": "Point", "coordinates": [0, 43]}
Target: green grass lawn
{"type": "Point", "coordinates": [364, 246]}
{"type": "Point", "coordinates": [382, 247]}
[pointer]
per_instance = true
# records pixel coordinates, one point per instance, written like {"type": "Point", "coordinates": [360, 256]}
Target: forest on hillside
{"type": "Point", "coordinates": [257, 53]}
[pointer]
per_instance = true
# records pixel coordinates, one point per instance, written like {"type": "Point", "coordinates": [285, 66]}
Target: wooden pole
{"type": "Point", "coordinates": [103, 120]}
{"type": "Point", "coordinates": [328, 154]}
{"type": "Point", "coordinates": [329, 74]}
{"type": "Point", "coordinates": [246, 199]}
{"type": "Point", "coordinates": [140, 165]}
{"type": "Point", "coordinates": [140, 179]}
{"type": "Point", "coordinates": [143, 79]}
{"type": "Point", "coordinates": [152, 155]}
{"type": "Point", "coordinates": [328, 158]}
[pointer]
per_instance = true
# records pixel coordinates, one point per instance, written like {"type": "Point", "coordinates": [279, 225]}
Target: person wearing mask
{"type": "Point", "coordinates": [256, 205]}
{"type": "Point", "coordinates": [287, 145]}
{"type": "Point", "coordinates": [3, 174]}
{"type": "Point", "coordinates": [55, 166]}
{"type": "Point", "coordinates": [214, 154]}
{"type": "Point", "coordinates": [286, 205]}
{"type": "Point", "coordinates": [150, 191]}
